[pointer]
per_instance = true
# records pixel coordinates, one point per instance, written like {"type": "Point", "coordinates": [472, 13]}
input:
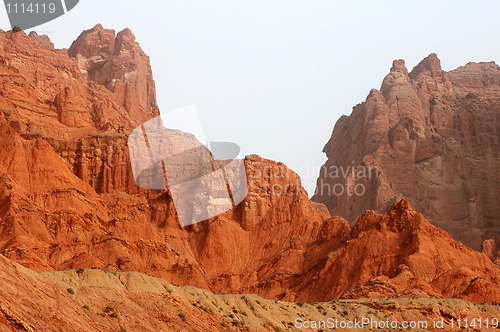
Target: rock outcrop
{"type": "Point", "coordinates": [491, 248]}
{"type": "Point", "coordinates": [119, 64]}
{"type": "Point", "coordinates": [68, 198]}
{"type": "Point", "coordinates": [429, 136]}
{"type": "Point", "coordinates": [47, 93]}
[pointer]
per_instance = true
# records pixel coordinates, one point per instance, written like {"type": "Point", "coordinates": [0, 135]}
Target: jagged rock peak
{"type": "Point", "coordinates": [430, 66]}
{"type": "Point", "coordinates": [399, 64]}
{"type": "Point", "coordinates": [374, 93]}
{"type": "Point", "coordinates": [97, 27]}
{"type": "Point", "coordinates": [126, 33]}
{"type": "Point", "coordinates": [41, 41]}
{"type": "Point", "coordinates": [92, 41]}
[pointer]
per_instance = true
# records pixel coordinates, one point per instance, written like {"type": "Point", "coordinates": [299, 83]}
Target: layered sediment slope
{"type": "Point", "coordinates": [95, 300]}
{"type": "Point", "coordinates": [429, 136]}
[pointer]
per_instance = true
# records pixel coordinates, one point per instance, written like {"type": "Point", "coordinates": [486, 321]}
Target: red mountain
{"type": "Point", "coordinates": [68, 198]}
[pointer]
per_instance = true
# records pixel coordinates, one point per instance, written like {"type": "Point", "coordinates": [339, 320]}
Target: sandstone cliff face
{"type": "Point", "coordinates": [429, 136]}
{"type": "Point", "coordinates": [68, 198]}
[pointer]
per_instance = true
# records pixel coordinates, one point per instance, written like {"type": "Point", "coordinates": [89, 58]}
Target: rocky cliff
{"type": "Point", "coordinates": [68, 198]}
{"type": "Point", "coordinates": [429, 136]}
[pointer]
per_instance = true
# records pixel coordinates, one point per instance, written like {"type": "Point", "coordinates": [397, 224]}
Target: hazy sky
{"type": "Point", "coordinates": [274, 76]}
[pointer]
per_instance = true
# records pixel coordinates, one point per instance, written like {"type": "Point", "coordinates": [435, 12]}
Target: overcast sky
{"type": "Point", "coordinates": [274, 76]}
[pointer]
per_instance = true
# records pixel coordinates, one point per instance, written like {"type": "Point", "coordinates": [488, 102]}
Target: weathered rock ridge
{"type": "Point", "coordinates": [429, 136]}
{"type": "Point", "coordinates": [68, 198]}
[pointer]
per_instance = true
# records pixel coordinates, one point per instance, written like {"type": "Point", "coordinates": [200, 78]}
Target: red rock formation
{"type": "Point", "coordinates": [119, 64]}
{"type": "Point", "coordinates": [68, 198]}
{"type": "Point", "coordinates": [274, 243]}
{"type": "Point", "coordinates": [429, 136]}
{"type": "Point", "coordinates": [40, 85]}
{"type": "Point", "coordinates": [491, 248]}
{"type": "Point", "coordinates": [43, 41]}
{"type": "Point", "coordinates": [402, 254]}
